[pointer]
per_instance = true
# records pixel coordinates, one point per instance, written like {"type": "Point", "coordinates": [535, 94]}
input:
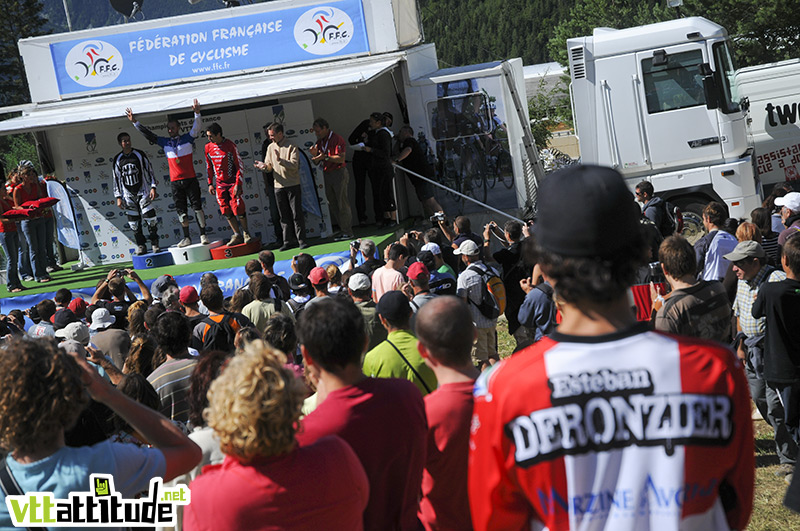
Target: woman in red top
{"type": "Point", "coordinates": [9, 240]}
{"type": "Point", "coordinates": [33, 228]}
{"type": "Point", "coordinates": [266, 481]}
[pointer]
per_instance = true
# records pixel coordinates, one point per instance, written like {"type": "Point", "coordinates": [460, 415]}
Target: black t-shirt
{"type": "Point", "coordinates": [514, 270]}
{"type": "Point", "coordinates": [118, 309]}
{"type": "Point", "coordinates": [267, 174]}
{"type": "Point", "coordinates": [415, 161]}
{"type": "Point", "coordinates": [283, 293]}
{"type": "Point", "coordinates": [779, 302]}
{"type": "Point", "coordinates": [195, 320]}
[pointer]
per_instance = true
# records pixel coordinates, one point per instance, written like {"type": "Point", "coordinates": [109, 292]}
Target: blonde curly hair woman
{"type": "Point", "coordinates": [266, 480]}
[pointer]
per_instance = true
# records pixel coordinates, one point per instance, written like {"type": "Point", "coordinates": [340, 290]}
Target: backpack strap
{"type": "Point", "coordinates": [673, 299]}
{"type": "Point", "coordinates": [8, 484]}
{"type": "Point", "coordinates": [427, 389]}
{"type": "Point", "coordinates": [477, 269]}
{"type": "Point", "coordinates": [547, 289]}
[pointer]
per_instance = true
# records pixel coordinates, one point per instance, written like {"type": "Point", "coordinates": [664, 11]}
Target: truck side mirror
{"type": "Point", "coordinates": [744, 104]}
{"type": "Point", "coordinates": [709, 86]}
{"type": "Point", "coordinates": [660, 58]}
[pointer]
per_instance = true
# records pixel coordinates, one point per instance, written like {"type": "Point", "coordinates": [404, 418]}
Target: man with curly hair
{"type": "Point", "coordinates": [266, 480]}
{"type": "Point", "coordinates": [42, 392]}
{"type": "Point", "coordinates": [592, 425]}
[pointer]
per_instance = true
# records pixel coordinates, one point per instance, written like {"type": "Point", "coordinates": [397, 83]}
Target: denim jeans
{"type": "Point", "coordinates": [769, 405]}
{"type": "Point", "coordinates": [34, 232]}
{"type": "Point", "coordinates": [24, 256]}
{"type": "Point", "coordinates": [9, 241]}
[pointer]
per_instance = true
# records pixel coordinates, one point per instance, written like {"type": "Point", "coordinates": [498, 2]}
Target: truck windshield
{"type": "Point", "coordinates": [729, 99]}
{"type": "Point", "coordinates": [675, 85]}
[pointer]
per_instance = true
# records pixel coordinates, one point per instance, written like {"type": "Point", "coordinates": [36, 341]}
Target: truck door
{"type": "Point", "coordinates": [620, 129]}
{"type": "Point", "coordinates": [680, 130]}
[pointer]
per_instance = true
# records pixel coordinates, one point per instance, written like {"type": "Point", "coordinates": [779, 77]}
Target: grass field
{"type": "Point", "coordinates": [769, 514]}
{"type": "Point", "coordinates": [90, 276]}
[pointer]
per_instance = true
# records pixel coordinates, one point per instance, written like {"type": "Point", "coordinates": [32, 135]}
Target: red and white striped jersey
{"type": "Point", "coordinates": [636, 430]}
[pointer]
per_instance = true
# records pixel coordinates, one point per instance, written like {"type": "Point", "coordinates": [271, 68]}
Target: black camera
{"type": "Point", "coordinates": [355, 244]}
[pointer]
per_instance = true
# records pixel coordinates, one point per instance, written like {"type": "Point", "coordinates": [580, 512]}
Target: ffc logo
{"type": "Point", "coordinates": [93, 63]}
{"type": "Point", "coordinates": [323, 30]}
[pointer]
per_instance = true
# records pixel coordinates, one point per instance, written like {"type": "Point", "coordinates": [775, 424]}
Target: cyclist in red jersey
{"type": "Point", "coordinates": [225, 167]}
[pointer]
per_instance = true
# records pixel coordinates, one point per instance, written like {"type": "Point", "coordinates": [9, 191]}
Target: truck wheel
{"type": "Point", "coordinates": [693, 228]}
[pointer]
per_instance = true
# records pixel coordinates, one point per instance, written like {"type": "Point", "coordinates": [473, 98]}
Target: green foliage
{"type": "Point", "coordinates": [548, 107]}
{"type": "Point", "coordinates": [14, 148]}
{"type": "Point", "coordinates": [763, 32]}
{"type": "Point", "coordinates": [476, 31]}
{"type": "Point", "coordinates": [20, 19]}
{"type": "Point", "coordinates": [589, 14]}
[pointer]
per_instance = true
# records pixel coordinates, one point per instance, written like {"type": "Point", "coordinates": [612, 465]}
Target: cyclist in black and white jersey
{"type": "Point", "coordinates": [135, 190]}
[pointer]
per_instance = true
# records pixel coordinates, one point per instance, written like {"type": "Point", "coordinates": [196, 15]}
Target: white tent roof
{"type": "Point", "coordinates": [311, 78]}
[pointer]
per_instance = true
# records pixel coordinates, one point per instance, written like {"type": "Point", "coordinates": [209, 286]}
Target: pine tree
{"type": "Point", "coordinates": [19, 19]}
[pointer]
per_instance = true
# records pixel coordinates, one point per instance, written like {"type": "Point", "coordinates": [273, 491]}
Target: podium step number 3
{"type": "Point", "coordinates": [222, 252]}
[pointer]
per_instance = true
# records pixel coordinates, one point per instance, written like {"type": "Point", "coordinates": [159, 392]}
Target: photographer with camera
{"type": "Point", "coordinates": [114, 295]}
{"type": "Point", "coordinates": [460, 232]}
{"type": "Point", "coordinates": [514, 270]}
{"type": "Point", "coordinates": [367, 250]}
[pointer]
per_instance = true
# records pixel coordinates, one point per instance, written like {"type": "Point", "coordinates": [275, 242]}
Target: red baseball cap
{"type": "Point", "coordinates": [318, 276]}
{"type": "Point", "coordinates": [188, 295]}
{"type": "Point", "coordinates": [417, 270]}
{"type": "Point", "coordinates": [78, 307]}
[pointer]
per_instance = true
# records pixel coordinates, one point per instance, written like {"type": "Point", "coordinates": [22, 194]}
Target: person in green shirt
{"type": "Point", "coordinates": [397, 356]}
{"type": "Point", "coordinates": [441, 266]}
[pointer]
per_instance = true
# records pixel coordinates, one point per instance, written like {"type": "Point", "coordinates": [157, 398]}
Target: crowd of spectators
{"type": "Point", "coordinates": [371, 395]}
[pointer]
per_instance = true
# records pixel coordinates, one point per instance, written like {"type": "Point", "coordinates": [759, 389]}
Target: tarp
{"type": "Point", "coordinates": [230, 280]}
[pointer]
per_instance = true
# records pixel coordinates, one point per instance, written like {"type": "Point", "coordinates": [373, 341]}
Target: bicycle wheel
{"type": "Point", "coordinates": [491, 171]}
{"type": "Point", "coordinates": [505, 169]}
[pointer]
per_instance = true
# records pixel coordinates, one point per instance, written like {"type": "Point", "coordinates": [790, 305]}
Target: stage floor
{"type": "Point", "coordinates": [89, 277]}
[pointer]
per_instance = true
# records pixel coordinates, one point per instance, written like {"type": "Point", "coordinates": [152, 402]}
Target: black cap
{"type": "Point", "coordinates": [62, 318]}
{"type": "Point", "coordinates": [586, 211]}
{"type": "Point", "coordinates": [426, 257]}
{"type": "Point", "coordinates": [394, 306]}
{"type": "Point", "coordinates": [297, 281]}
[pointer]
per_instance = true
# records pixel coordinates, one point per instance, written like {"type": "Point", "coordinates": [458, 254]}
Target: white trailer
{"type": "Point", "coordinates": [248, 66]}
{"type": "Point", "coordinates": [773, 91]}
{"type": "Point", "coordinates": [655, 102]}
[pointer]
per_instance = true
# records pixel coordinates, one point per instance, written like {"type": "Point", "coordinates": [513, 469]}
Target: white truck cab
{"type": "Point", "coordinates": [655, 102]}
